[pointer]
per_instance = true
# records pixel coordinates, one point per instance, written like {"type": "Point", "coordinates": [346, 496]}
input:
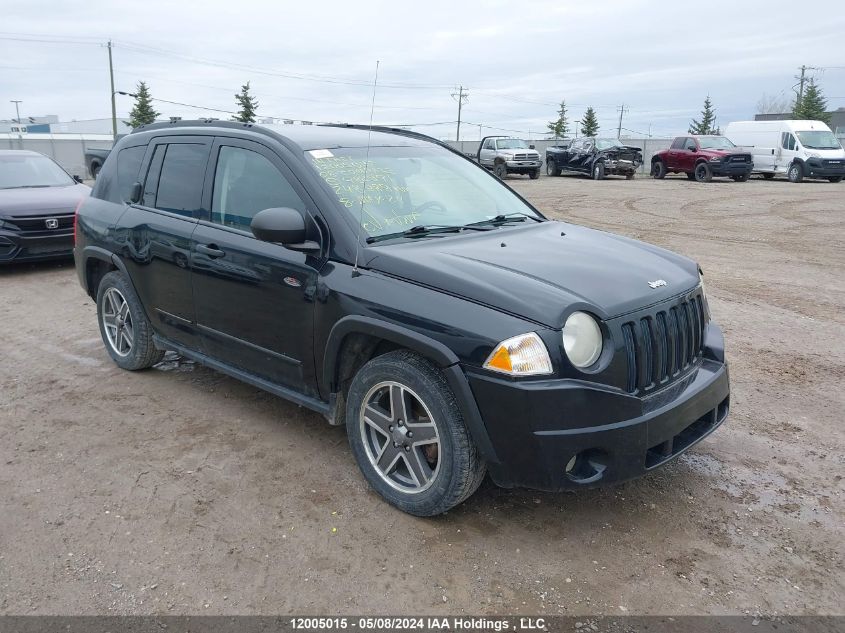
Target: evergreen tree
{"type": "Point", "coordinates": [560, 127]}
{"type": "Point", "coordinates": [247, 105]}
{"type": "Point", "coordinates": [813, 106]}
{"type": "Point", "coordinates": [589, 123]}
{"type": "Point", "coordinates": [142, 112]}
{"type": "Point", "coordinates": [707, 124]}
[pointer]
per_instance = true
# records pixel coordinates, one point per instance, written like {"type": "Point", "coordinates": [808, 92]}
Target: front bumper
{"type": "Point", "coordinates": [563, 434]}
{"type": "Point", "coordinates": [621, 167]}
{"type": "Point", "coordinates": [37, 245]}
{"type": "Point", "coordinates": [824, 168]}
{"type": "Point", "coordinates": [731, 169]}
{"type": "Point", "coordinates": [523, 166]}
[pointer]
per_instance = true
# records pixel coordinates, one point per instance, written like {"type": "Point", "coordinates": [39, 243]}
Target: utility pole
{"type": "Point", "coordinates": [801, 80]}
{"type": "Point", "coordinates": [621, 112]}
{"type": "Point", "coordinates": [17, 102]}
{"type": "Point", "coordinates": [462, 96]}
{"type": "Point", "coordinates": [113, 106]}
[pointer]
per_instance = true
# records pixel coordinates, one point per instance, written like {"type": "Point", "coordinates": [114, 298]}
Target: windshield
{"type": "Point", "coordinates": [818, 139]}
{"type": "Point", "coordinates": [413, 186]}
{"type": "Point", "coordinates": [607, 143]}
{"type": "Point", "coordinates": [31, 170]}
{"type": "Point", "coordinates": [714, 142]}
{"type": "Point", "coordinates": [511, 143]}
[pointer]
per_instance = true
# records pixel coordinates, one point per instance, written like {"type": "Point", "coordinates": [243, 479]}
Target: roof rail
{"type": "Point", "coordinates": [392, 130]}
{"type": "Point", "coordinates": [161, 125]}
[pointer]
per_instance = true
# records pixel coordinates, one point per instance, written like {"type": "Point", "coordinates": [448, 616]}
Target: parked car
{"type": "Point", "coordinates": [37, 201]}
{"type": "Point", "coordinates": [391, 284]}
{"type": "Point", "coordinates": [94, 159]}
{"type": "Point", "coordinates": [701, 158]}
{"type": "Point", "coordinates": [795, 149]}
{"type": "Point", "coordinates": [598, 157]}
{"type": "Point", "coordinates": [504, 155]}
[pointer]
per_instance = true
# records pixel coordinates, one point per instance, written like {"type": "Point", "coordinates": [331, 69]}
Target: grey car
{"type": "Point", "coordinates": [37, 203]}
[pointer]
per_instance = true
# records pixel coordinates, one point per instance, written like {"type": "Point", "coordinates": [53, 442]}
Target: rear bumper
{"type": "Point", "coordinates": [565, 434]}
{"type": "Point", "coordinates": [15, 246]}
{"type": "Point", "coordinates": [731, 169]}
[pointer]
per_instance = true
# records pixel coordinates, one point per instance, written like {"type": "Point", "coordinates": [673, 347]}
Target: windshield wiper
{"type": "Point", "coordinates": [516, 216]}
{"type": "Point", "coordinates": [422, 230]}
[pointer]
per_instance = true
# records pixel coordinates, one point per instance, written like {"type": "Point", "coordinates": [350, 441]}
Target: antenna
{"type": "Point", "coordinates": [355, 271]}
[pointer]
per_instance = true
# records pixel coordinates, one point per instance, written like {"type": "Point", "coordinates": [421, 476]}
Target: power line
{"type": "Point", "coordinates": [462, 98]}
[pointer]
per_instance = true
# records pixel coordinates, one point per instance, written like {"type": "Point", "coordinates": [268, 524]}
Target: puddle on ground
{"type": "Point", "coordinates": [758, 490]}
{"type": "Point", "coordinates": [173, 362]}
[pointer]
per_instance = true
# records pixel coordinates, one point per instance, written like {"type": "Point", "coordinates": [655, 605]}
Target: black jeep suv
{"type": "Point", "coordinates": [394, 286]}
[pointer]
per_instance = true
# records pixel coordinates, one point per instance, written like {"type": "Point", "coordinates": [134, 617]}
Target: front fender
{"type": "Point", "coordinates": [433, 350]}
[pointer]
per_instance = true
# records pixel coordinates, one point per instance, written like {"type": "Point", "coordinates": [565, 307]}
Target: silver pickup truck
{"type": "Point", "coordinates": [504, 155]}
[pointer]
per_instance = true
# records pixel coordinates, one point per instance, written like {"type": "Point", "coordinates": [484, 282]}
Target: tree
{"type": "Point", "coordinates": [142, 112]}
{"type": "Point", "coordinates": [560, 127]}
{"type": "Point", "coordinates": [247, 104]}
{"type": "Point", "coordinates": [707, 124]}
{"type": "Point", "coordinates": [812, 106]}
{"type": "Point", "coordinates": [589, 123]}
{"type": "Point", "coordinates": [773, 104]}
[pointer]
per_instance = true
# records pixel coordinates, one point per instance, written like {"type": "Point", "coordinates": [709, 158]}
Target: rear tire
{"type": "Point", "coordinates": [598, 170]}
{"type": "Point", "coordinates": [741, 178]}
{"type": "Point", "coordinates": [534, 175]}
{"type": "Point", "coordinates": [552, 169]}
{"type": "Point", "coordinates": [795, 173]}
{"type": "Point", "coordinates": [448, 463]}
{"type": "Point", "coordinates": [126, 332]}
{"type": "Point", "coordinates": [630, 176]}
{"type": "Point", "coordinates": [703, 173]}
{"type": "Point", "coordinates": [658, 169]}
{"type": "Point", "coordinates": [768, 176]}
{"type": "Point", "coordinates": [501, 170]}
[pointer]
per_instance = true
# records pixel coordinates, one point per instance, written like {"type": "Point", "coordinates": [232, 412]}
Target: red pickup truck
{"type": "Point", "coordinates": [701, 158]}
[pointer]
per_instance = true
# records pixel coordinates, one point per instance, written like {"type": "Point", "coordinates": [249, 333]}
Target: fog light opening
{"type": "Point", "coordinates": [587, 466]}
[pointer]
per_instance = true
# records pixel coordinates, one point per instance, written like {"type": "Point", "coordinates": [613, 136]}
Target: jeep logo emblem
{"type": "Point", "coordinates": [52, 223]}
{"type": "Point", "coordinates": [658, 283]}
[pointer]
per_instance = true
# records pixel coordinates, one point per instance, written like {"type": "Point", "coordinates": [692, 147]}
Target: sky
{"type": "Point", "coordinates": [316, 61]}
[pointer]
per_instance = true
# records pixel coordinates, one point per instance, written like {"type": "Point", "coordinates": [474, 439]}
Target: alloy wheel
{"type": "Point", "coordinates": [117, 322]}
{"type": "Point", "coordinates": [400, 437]}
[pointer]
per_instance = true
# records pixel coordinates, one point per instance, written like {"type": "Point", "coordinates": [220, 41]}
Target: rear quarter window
{"type": "Point", "coordinates": [128, 166]}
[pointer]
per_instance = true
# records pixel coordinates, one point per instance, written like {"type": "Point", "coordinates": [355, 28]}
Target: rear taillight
{"type": "Point", "coordinates": [75, 217]}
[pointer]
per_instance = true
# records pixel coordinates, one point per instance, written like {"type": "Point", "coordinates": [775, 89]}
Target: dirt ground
{"type": "Point", "coordinates": [181, 491]}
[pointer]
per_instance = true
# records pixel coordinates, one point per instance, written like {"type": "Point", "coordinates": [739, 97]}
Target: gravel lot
{"type": "Point", "coordinates": [179, 490]}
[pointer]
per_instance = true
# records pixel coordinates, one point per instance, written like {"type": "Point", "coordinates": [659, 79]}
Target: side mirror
{"type": "Point", "coordinates": [285, 226]}
{"type": "Point", "coordinates": [693, 149]}
{"type": "Point", "coordinates": [77, 178]}
{"type": "Point", "coordinates": [531, 147]}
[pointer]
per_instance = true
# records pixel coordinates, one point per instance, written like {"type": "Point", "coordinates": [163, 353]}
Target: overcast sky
{"type": "Point", "coordinates": [316, 60]}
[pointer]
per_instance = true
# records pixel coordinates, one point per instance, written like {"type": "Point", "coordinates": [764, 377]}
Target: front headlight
{"type": "Point", "coordinates": [582, 339]}
{"type": "Point", "coordinates": [523, 355]}
{"type": "Point", "coordinates": [814, 155]}
{"type": "Point", "coordinates": [716, 159]}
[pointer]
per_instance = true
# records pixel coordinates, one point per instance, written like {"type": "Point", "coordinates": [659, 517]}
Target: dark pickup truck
{"type": "Point", "coordinates": [94, 159]}
{"type": "Point", "coordinates": [701, 158]}
{"type": "Point", "coordinates": [597, 157]}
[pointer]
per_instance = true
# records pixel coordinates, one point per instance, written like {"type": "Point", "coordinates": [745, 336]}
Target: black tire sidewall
{"type": "Point", "coordinates": [705, 169]}
{"type": "Point", "coordinates": [658, 169]}
{"type": "Point", "coordinates": [798, 170]}
{"type": "Point", "coordinates": [500, 170]}
{"type": "Point", "coordinates": [143, 353]}
{"type": "Point", "coordinates": [458, 456]}
{"type": "Point", "coordinates": [598, 171]}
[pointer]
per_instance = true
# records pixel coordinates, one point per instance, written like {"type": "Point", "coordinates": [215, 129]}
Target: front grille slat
{"type": "Point", "coordinates": [29, 223]}
{"type": "Point", "coordinates": [663, 344]}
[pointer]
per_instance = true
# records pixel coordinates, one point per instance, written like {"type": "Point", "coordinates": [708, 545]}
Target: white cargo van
{"type": "Point", "coordinates": [797, 149]}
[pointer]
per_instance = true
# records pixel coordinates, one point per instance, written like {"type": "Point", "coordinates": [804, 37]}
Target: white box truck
{"type": "Point", "coordinates": [796, 149]}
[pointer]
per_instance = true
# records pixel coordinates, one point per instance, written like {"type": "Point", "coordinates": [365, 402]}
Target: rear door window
{"type": "Point", "coordinates": [180, 183]}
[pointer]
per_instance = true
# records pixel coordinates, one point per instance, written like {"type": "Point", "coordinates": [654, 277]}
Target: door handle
{"type": "Point", "coordinates": [210, 249]}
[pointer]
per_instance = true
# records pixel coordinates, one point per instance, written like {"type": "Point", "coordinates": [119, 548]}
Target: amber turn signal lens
{"type": "Point", "coordinates": [523, 355]}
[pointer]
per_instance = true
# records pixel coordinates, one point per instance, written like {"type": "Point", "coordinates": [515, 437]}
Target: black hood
{"type": "Point", "coordinates": [39, 200]}
{"type": "Point", "coordinates": [535, 272]}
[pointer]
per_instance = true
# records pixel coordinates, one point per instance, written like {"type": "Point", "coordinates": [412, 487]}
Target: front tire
{"type": "Point", "coordinates": [598, 171]}
{"type": "Point", "coordinates": [658, 169]}
{"type": "Point", "coordinates": [795, 173]}
{"type": "Point", "coordinates": [630, 176]}
{"type": "Point", "coordinates": [703, 173]}
{"type": "Point", "coordinates": [126, 332]}
{"type": "Point", "coordinates": [408, 436]}
{"type": "Point", "coordinates": [534, 175]}
{"type": "Point", "coordinates": [501, 170]}
{"type": "Point", "coordinates": [552, 169]}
